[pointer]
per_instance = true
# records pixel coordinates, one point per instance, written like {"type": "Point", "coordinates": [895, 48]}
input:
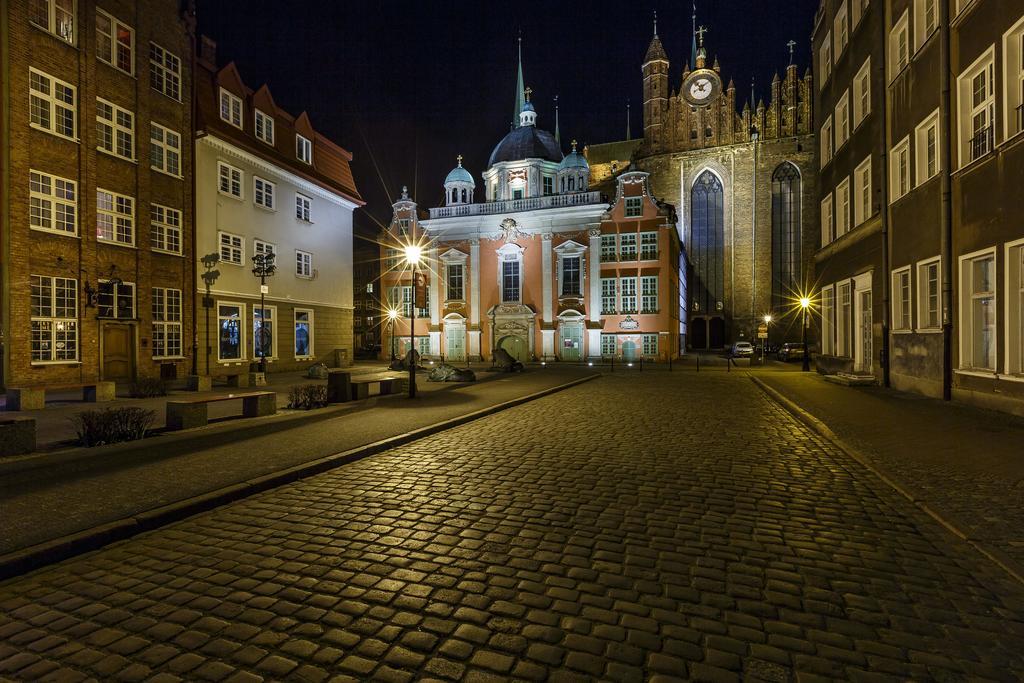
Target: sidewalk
{"type": "Point", "coordinates": [54, 428]}
{"type": "Point", "coordinates": [964, 463]}
{"type": "Point", "coordinates": [46, 503]}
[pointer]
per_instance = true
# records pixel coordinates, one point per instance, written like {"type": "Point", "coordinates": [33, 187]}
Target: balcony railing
{"type": "Point", "coordinates": [981, 143]}
{"type": "Point", "coordinates": [515, 205]}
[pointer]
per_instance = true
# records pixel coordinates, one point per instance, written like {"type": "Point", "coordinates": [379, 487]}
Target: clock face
{"type": "Point", "coordinates": [702, 87]}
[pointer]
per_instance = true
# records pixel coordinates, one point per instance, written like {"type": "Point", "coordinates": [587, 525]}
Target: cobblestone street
{"type": "Point", "coordinates": [636, 527]}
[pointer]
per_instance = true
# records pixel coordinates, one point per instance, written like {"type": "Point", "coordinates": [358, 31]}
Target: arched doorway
{"type": "Point", "coordinates": [716, 333]}
{"type": "Point", "coordinates": [516, 347]}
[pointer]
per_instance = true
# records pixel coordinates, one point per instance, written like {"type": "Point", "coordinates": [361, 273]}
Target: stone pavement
{"type": "Point", "coordinates": [964, 462]}
{"type": "Point", "coordinates": [50, 502]}
{"type": "Point", "coordinates": [694, 531]}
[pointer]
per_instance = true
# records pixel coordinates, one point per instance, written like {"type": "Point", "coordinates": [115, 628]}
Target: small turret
{"type": "Point", "coordinates": [458, 186]}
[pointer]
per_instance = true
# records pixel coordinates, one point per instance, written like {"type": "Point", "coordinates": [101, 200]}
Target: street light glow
{"type": "Point", "coordinates": [413, 252]}
{"type": "Point", "coordinates": [805, 302]}
{"type": "Point", "coordinates": [392, 314]}
{"type": "Point", "coordinates": [767, 318]}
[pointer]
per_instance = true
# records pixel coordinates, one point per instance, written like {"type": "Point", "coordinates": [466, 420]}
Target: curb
{"type": "Point", "coordinates": [946, 521]}
{"type": "Point", "coordinates": [49, 552]}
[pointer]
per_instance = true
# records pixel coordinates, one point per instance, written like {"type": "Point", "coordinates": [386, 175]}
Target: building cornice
{"type": "Point", "coordinates": [223, 147]}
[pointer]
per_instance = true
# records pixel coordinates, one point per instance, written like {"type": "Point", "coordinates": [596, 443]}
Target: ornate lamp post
{"type": "Point", "coordinates": [263, 267]}
{"type": "Point", "coordinates": [392, 317]}
{"type": "Point", "coordinates": [764, 342]}
{"type": "Point", "coordinates": [412, 256]}
{"type": "Point", "coordinates": [805, 304]}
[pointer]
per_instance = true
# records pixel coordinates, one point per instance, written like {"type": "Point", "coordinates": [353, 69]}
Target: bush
{"type": "Point", "coordinates": [148, 387]}
{"type": "Point", "coordinates": [112, 425]}
{"type": "Point", "coordinates": [307, 396]}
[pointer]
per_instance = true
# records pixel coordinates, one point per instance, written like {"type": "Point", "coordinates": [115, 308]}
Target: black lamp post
{"type": "Point", "coordinates": [805, 304]}
{"type": "Point", "coordinates": [392, 316]}
{"type": "Point", "coordinates": [412, 256]}
{"type": "Point", "coordinates": [263, 267]}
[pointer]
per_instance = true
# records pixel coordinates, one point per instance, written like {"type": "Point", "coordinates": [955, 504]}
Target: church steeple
{"type": "Point", "coordinates": [693, 48]}
{"type": "Point", "coordinates": [520, 94]}
{"type": "Point", "coordinates": [558, 138]}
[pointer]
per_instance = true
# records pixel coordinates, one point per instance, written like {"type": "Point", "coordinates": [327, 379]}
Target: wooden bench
{"type": "Point", "coordinates": [34, 398]}
{"type": "Point", "coordinates": [361, 387]}
{"type": "Point", "coordinates": [194, 412]}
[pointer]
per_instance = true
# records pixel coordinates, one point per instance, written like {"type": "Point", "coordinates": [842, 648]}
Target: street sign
{"type": "Point", "coordinates": [421, 290]}
{"type": "Point", "coordinates": [762, 329]}
{"type": "Point", "coordinates": [762, 335]}
{"type": "Point", "coordinates": [264, 289]}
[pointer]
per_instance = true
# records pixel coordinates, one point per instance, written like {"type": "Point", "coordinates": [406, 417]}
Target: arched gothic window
{"type": "Point", "coordinates": [707, 244]}
{"type": "Point", "coordinates": [786, 235]}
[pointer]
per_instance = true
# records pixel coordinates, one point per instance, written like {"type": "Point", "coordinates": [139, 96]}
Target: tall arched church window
{"type": "Point", "coordinates": [786, 235]}
{"type": "Point", "coordinates": [707, 244]}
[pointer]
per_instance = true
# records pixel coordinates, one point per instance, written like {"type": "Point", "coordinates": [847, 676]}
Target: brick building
{"type": "Point", "coordinates": [366, 324]}
{"type": "Point", "coordinates": [268, 183]}
{"type": "Point", "coordinates": [96, 192]}
{"type": "Point", "coordinates": [744, 183]}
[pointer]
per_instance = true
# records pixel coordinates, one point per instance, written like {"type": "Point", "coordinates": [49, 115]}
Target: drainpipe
{"type": "Point", "coordinates": [946, 205]}
{"type": "Point", "coordinates": [194, 269]}
{"type": "Point", "coordinates": [885, 203]}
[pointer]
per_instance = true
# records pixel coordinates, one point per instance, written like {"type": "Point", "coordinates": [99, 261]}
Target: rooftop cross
{"type": "Point", "coordinates": [574, 145]}
{"type": "Point", "coordinates": [528, 92]}
{"type": "Point", "coordinates": [460, 160]}
{"type": "Point", "coordinates": [700, 34]}
{"type": "Point", "coordinates": [791, 44]}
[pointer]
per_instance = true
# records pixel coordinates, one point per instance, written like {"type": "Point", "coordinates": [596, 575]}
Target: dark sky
{"type": "Point", "coordinates": [407, 86]}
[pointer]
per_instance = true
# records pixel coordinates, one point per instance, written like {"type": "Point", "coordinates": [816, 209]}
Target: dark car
{"type": "Point", "coordinates": [791, 351]}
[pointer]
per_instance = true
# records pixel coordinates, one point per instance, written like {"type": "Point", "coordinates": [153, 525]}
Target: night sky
{"type": "Point", "coordinates": [407, 86]}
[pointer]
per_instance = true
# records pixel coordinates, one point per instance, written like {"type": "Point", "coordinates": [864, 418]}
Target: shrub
{"type": "Point", "coordinates": [112, 425]}
{"type": "Point", "coordinates": [307, 396]}
{"type": "Point", "coordinates": [148, 387]}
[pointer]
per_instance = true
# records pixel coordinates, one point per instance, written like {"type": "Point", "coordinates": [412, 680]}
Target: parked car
{"type": "Point", "coordinates": [742, 350]}
{"type": "Point", "coordinates": [791, 351]}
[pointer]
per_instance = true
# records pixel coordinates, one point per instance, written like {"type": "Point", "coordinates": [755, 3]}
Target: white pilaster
{"type": "Point", "coordinates": [473, 337]}
{"type": "Point", "coordinates": [435, 343]}
{"type": "Point", "coordinates": [474, 288]}
{"type": "Point", "coordinates": [547, 339]}
{"type": "Point", "coordinates": [546, 289]}
{"type": "Point", "coordinates": [435, 290]}
{"type": "Point", "coordinates": [594, 304]}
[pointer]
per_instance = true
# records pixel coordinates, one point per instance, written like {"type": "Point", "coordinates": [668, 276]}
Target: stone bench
{"type": "Point", "coordinates": [34, 397]}
{"type": "Point", "coordinates": [360, 388]}
{"type": "Point", "coordinates": [17, 435]}
{"type": "Point", "coordinates": [194, 412]}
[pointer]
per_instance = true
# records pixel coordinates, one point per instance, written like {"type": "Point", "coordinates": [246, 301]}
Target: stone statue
{"type": "Point", "coordinates": [450, 373]}
{"type": "Point", "coordinates": [412, 356]}
{"type": "Point", "coordinates": [317, 371]}
{"type": "Point", "coordinates": [506, 362]}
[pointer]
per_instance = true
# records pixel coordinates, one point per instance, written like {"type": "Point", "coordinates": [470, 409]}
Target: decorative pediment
{"type": "Point", "coordinates": [453, 256]}
{"type": "Point", "coordinates": [509, 251]}
{"type": "Point", "coordinates": [629, 324]}
{"type": "Point", "coordinates": [570, 247]}
{"type": "Point", "coordinates": [571, 312]}
{"type": "Point", "coordinates": [455, 318]}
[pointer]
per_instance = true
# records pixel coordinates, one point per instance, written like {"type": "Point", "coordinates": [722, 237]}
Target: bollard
{"type": "Point", "coordinates": [698, 362]}
{"type": "Point", "coordinates": [641, 363]}
{"type": "Point", "coordinates": [613, 363]}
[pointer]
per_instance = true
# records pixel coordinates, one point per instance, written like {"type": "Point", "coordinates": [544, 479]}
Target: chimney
{"type": "Point", "coordinates": [208, 51]}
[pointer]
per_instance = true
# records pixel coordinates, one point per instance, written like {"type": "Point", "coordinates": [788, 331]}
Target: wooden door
{"type": "Point", "coordinates": [118, 352]}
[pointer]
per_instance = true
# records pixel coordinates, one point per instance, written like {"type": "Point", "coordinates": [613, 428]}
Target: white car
{"type": "Point", "coordinates": [742, 350]}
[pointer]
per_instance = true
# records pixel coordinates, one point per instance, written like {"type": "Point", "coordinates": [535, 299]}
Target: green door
{"type": "Point", "coordinates": [516, 347]}
{"type": "Point", "coordinates": [628, 350]}
{"type": "Point", "coordinates": [572, 341]}
{"type": "Point", "coordinates": [455, 335]}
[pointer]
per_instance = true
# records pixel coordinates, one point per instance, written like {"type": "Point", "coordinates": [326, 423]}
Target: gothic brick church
{"type": "Point", "coordinates": [744, 185]}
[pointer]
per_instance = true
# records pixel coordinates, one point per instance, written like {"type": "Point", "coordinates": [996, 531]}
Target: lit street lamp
{"type": "Point", "coordinates": [392, 317]}
{"type": "Point", "coordinates": [263, 267]}
{"type": "Point", "coordinates": [412, 256]}
{"type": "Point", "coordinates": [805, 304]}
{"type": "Point", "coordinates": [764, 342]}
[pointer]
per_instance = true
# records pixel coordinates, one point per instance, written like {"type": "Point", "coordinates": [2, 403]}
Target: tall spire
{"type": "Point", "coordinates": [558, 138]}
{"type": "Point", "coordinates": [693, 49]}
{"type": "Point", "coordinates": [655, 23]}
{"type": "Point", "coordinates": [520, 90]}
{"type": "Point", "coordinates": [629, 135]}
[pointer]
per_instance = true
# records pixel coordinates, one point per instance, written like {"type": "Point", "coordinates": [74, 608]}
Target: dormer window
{"type": "Point", "coordinates": [231, 108]}
{"type": "Point", "coordinates": [264, 127]}
{"type": "Point", "coordinates": [303, 149]}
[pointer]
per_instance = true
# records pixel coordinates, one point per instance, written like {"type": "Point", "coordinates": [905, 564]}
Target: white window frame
{"type": "Point", "coordinates": [862, 93]}
{"type": "Point", "coordinates": [825, 60]}
{"type": "Point", "coordinates": [1014, 313]}
{"type": "Point", "coordinates": [49, 102]}
{"type": "Point", "coordinates": [628, 244]}
{"type": "Point", "coordinates": [902, 296]}
{"type": "Point", "coordinates": [60, 21]}
{"type": "Point", "coordinates": [863, 199]}
{"type": "Point", "coordinates": [235, 246]}
{"type": "Point", "coordinates": [633, 207]}
{"type": "Point", "coordinates": [164, 72]}
{"type": "Point", "coordinates": [826, 147]}
{"type": "Point", "coordinates": [922, 30]}
{"type": "Point", "coordinates": [66, 322]}
{"type": "Point", "coordinates": [648, 246]}
{"type": "Point", "coordinates": [231, 109]}
{"type": "Point", "coordinates": [303, 149]}
{"type": "Point", "coordinates": [309, 322]}
{"type": "Point", "coordinates": [609, 295]}
{"type": "Point", "coordinates": [841, 29]}
{"type": "Point", "coordinates": [242, 329]}
{"type": "Point", "coordinates": [111, 55]}
{"type": "Point", "coordinates": [46, 206]}
{"type": "Point", "coordinates": [649, 345]}
{"type": "Point", "coordinates": [649, 294]}
{"type": "Point", "coordinates": [828, 321]}
{"type": "Point", "coordinates": [899, 46]}
{"type": "Point", "coordinates": [857, 10]}
{"type": "Point", "coordinates": [264, 193]}
{"type": "Point", "coordinates": [165, 229]}
{"type": "Point", "coordinates": [121, 214]}
{"type": "Point", "coordinates": [563, 259]}
{"type": "Point", "coordinates": [303, 208]}
{"type": "Point", "coordinates": [117, 290]}
{"type": "Point", "coordinates": [228, 179]}
{"type": "Point", "coordinates": [827, 222]}
{"type": "Point", "coordinates": [842, 207]}
{"type": "Point", "coordinates": [845, 324]}
{"type": "Point", "coordinates": [263, 247]}
{"type": "Point", "coordinates": [922, 148]}
{"type": "Point", "coordinates": [263, 126]}
{"type": "Point", "coordinates": [458, 269]}
{"type": "Point", "coordinates": [303, 264]}
{"type": "Point", "coordinates": [901, 170]}
{"type": "Point", "coordinates": [162, 149]}
{"type": "Point", "coordinates": [167, 322]}
{"type": "Point", "coordinates": [117, 130]}
{"type": "Point", "coordinates": [272, 309]}
{"type": "Point", "coordinates": [628, 299]}
{"type": "Point", "coordinates": [923, 295]}
{"type": "Point", "coordinates": [842, 120]}
{"type": "Point", "coordinates": [609, 248]}
{"type": "Point", "coordinates": [1013, 80]}
{"type": "Point", "coordinates": [967, 297]}
{"type": "Point", "coordinates": [609, 345]}
{"type": "Point", "coordinates": [968, 110]}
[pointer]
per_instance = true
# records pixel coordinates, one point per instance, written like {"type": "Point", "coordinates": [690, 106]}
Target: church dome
{"type": "Point", "coordinates": [460, 175]}
{"type": "Point", "coordinates": [526, 142]}
{"type": "Point", "coordinates": [574, 160]}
